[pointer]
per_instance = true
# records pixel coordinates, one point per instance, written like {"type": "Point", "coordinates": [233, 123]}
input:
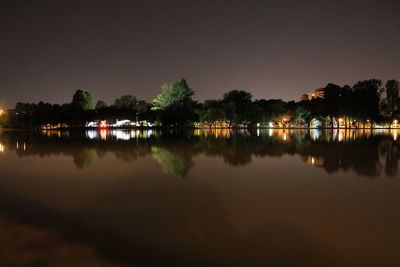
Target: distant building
{"type": "Point", "coordinates": [318, 93]}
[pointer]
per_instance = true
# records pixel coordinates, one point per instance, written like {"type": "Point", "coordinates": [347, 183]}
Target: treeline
{"type": "Point", "coordinates": [366, 101]}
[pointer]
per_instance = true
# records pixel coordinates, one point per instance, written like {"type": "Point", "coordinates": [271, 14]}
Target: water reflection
{"type": "Point", "coordinates": [250, 198]}
{"type": "Point", "coordinates": [364, 152]}
{"type": "Point", "coordinates": [25, 244]}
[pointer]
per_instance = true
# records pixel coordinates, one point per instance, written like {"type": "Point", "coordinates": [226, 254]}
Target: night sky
{"type": "Point", "coordinates": [273, 49]}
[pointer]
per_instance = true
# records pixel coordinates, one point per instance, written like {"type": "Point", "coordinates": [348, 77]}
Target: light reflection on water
{"type": "Point", "coordinates": [365, 152]}
{"type": "Point", "coordinates": [200, 197]}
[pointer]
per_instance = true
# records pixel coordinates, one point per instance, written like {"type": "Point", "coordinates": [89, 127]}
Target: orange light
{"type": "Point", "coordinates": [103, 124]}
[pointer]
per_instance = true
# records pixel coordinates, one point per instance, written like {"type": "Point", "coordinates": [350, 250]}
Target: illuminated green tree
{"type": "Point", "coordinates": [174, 94]}
{"type": "Point", "coordinates": [175, 104]}
{"type": "Point", "coordinates": [82, 100]}
{"type": "Point", "coordinates": [303, 115]}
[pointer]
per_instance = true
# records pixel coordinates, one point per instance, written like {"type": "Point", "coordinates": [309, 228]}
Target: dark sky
{"type": "Point", "coordinates": [274, 49]}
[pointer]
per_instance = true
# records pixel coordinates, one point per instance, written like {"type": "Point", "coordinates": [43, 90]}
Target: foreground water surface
{"type": "Point", "coordinates": [201, 197]}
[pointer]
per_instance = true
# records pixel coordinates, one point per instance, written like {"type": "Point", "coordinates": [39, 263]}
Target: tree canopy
{"type": "Point", "coordinates": [82, 100]}
{"type": "Point", "coordinates": [126, 101]}
{"type": "Point", "coordinates": [177, 94]}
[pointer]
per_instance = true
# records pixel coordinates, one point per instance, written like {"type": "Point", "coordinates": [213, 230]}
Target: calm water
{"type": "Point", "coordinates": [147, 198]}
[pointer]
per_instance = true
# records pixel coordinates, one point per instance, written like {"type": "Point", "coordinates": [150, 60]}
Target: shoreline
{"type": "Point", "coordinates": [196, 128]}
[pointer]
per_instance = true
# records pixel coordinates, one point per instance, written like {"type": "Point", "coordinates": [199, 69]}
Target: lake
{"type": "Point", "coordinates": [200, 198]}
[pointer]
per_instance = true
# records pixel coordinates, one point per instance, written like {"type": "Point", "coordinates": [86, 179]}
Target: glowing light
{"type": "Point", "coordinates": [121, 135]}
{"type": "Point", "coordinates": [92, 134]}
{"type": "Point", "coordinates": [315, 134]}
{"type": "Point", "coordinates": [284, 137]}
{"type": "Point", "coordinates": [103, 124]}
{"type": "Point", "coordinates": [270, 124]}
{"type": "Point", "coordinates": [103, 134]}
{"type": "Point", "coordinates": [92, 124]}
{"type": "Point", "coordinates": [24, 147]}
{"type": "Point", "coordinates": [122, 123]}
{"type": "Point", "coordinates": [2, 112]}
{"type": "Point", "coordinates": [340, 136]}
{"type": "Point", "coordinates": [312, 160]}
{"type": "Point", "coordinates": [2, 148]}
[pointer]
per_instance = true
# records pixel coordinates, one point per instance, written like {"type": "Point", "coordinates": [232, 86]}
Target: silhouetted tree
{"type": "Point", "coordinates": [239, 107]}
{"type": "Point", "coordinates": [211, 111]}
{"type": "Point", "coordinates": [101, 104]}
{"type": "Point", "coordinates": [392, 94]}
{"type": "Point", "coordinates": [366, 99]}
{"type": "Point", "coordinates": [126, 102]}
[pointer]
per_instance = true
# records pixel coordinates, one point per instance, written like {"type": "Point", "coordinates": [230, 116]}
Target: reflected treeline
{"type": "Point", "coordinates": [364, 152]}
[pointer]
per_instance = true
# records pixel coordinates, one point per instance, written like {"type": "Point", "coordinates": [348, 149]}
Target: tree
{"type": "Point", "coordinates": [82, 100]}
{"type": "Point", "coordinates": [303, 115]}
{"type": "Point", "coordinates": [392, 94]}
{"type": "Point", "coordinates": [237, 106]}
{"type": "Point", "coordinates": [272, 109]}
{"type": "Point", "coordinates": [211, 111]}
{"type": "Point", "coordinates": [333, 98]}
{"type": "Point", "coordinates": [177, 94]}
{"type": "Point", "coordinates": [126, 102]}
{"type": "Point", "coordinates": [101, 104]}
{"type": "Point", "coordinates": [175, 105]}
{"type": "Point", "coordinates": [366, 99]}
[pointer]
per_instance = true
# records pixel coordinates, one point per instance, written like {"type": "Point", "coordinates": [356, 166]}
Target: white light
{"type": "Point", "coordinates": [92, 124]}
{"type": "Point", "coordinates": [121, 135]}
{"type": "Point", "coordinates": [92, 134]}
{"type": "Point", "coordinates": [2, 148]}
{"type": "Point", "coordinates": [122, 123]}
